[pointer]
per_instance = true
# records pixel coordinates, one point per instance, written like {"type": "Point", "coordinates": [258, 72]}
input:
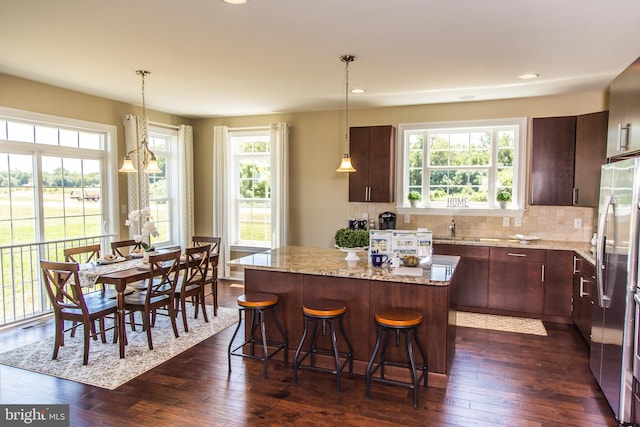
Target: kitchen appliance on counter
{"type": "Point", "coordinates": [612, 331]}
{"type": "Point", "coordinates": [387, 221]}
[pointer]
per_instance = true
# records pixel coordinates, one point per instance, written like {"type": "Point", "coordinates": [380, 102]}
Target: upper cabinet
{"type": "Point", "coordinates": [372, 150]}
{"type": "Point", "coordinates": [567, 153]}
{"type": "Point", "coordinates": [624, 112]}
{"type": "Point", "coordinates": [552, 160]}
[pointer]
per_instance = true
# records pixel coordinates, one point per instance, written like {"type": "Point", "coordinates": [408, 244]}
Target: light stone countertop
{"type": "Point", "coordinates": [582, 248]}
{"type": "Point", "coordinates": [331, 262]}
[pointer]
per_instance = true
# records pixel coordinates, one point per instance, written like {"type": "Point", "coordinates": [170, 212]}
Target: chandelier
{"type": "Point", "coordinates": [345, 165]}
{"type": "Point", "coordinates": [143, 152]}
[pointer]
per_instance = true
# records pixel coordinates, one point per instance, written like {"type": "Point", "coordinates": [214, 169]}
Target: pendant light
{"type": "Point", "coordinates": [147, 157]}
{"type": "Point", "coordinates": [345, 165]}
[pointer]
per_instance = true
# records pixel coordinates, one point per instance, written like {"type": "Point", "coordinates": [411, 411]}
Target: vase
{"type": "Point", "coordinates": [413, 203]}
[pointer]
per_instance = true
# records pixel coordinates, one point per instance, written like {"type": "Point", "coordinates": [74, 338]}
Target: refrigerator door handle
{"type": "Point", "coordinates": [603, 300]}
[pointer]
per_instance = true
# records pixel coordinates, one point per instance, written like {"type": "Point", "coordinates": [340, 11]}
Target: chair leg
{"type": "Point", "coordinates": [87, 338]}
{"type": "Point", "coordinates": [59, 341]}
{"type": "Point", "coordinates": [172, 316]}
{"type": "Point", "coordinates": [214, 289]}
{"type": "Point", "coordinates": [103, 335]}
{"type": "Point", "coordinates": [183, 307]}
{"type": "Point", "coordinates": [146, 320]}
{"type": "Point", "coordinates": [204, 306]}
{"type": "Point", "coordinates": [132, 320]}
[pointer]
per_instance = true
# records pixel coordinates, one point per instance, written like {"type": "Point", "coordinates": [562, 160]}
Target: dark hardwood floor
{"type": "Point", "coordinates": [498, 378]}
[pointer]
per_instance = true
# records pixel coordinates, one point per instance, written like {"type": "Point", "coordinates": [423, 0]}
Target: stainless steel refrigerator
{"type": "Point", "coordinates": [612, 330]}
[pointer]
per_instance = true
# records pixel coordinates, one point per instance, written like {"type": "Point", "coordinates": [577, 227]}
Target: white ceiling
{"type": "Point", "coordinates": [208, 58]}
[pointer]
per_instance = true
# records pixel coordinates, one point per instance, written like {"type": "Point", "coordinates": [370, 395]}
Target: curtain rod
{"type": "Point", "coordinates": [164, 125]}
{"type": "Point", "coordinates": [249, 128]}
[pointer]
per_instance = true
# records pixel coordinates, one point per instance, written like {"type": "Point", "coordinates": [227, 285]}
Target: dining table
{"type": "Point", "coordinates": [119, 272]}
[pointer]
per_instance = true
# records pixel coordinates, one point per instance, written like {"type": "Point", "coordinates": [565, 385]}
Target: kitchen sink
{"type": "Point", "coordinates": [458, 239]}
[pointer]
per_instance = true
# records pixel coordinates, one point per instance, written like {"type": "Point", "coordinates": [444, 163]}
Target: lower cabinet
{"type": "Point", "coordinates": [557, 283]}
{"type": "Point", "coordinates": [473, 273]}
{"type": "Point", "coordinates": [516, 280]}
{"type": "Point", "coordinates": [584, 279]}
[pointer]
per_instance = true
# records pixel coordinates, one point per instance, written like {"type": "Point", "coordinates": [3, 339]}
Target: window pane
{"type": "Point", "coordinates": [20, 132]}
{"type": "Point", "coordinates": [90, 140]}
{"type": "Point", "coordinates": [46, 135]}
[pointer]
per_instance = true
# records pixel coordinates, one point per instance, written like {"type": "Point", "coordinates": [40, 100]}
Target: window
{"type": "Point", "coordinates": [53, 175]}
{"type": "Point", "coordinates": [163, 189]}
{"type": "Point", "coordinates": [251, 204]}
{"type": "Point", "coordinates": [463, 165]}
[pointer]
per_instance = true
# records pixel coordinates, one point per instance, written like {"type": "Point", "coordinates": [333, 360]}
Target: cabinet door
{"type": "Point", "coordinates": [558, 281]}
{"type": "Point", "coordinates": [516, 280]}
{"type": "Point", "coordinates": [552, 163]}
{"type": "Point", "coordinates": [382, 164]}
{"type": "Point", "coordinates": [624, 109]}
{"type": "Point", "coordinates": [591, 147]}
{"type": "Point", "coordinates": [359, 151]}
{"type": "Point", "coordinates": [472, 271]}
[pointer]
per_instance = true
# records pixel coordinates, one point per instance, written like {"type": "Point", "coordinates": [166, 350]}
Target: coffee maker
{"type": "Point", "coordinates": [387, 221]}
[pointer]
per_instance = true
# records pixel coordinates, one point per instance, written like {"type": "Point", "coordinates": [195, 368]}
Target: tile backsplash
{"type": "Point", "coordinates": [546, 222]}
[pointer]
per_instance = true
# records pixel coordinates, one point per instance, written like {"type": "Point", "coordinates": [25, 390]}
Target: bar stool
{"type": "Point", "coordinates": [407, 322]}
{"type": "Point", "coordinates": [325, 311]}
{"type": "Point", "coordinates": [257, 303]}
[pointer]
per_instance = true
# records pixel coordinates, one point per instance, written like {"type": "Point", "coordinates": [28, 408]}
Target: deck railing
{"type": "Point", "coordinates": [23, 295]}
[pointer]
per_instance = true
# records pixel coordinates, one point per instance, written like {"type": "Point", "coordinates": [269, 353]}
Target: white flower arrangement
{"type": "Point", "coordinates": [143, 218]}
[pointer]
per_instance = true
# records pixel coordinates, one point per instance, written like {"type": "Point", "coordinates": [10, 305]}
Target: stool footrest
{"type": "Point", "coordinates": [312, 367]}
{"type": "Point", "coordinates": [278, 346]}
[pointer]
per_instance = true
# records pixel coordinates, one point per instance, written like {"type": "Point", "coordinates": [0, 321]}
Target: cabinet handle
{"type": "Point", "coordinates": [542, 273]}
{"type": "Point", "coordinates": [582, 292]}
{"type": "Point", "coordinates": [366, 194]}
{"type": "Point", "coordinates": [513, 254]}
{"type": "Point", "coordinates": [575, 263]}
{"type": "Point", "coordinates": [621, 128]}
{"type": "Point", "coordinates": [574, 201]}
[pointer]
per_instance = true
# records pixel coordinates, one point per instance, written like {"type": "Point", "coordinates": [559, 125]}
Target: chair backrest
{"type": "Point", "coordinates": [63, 285]}
{"type": "Point", "coordinates": [165, 271]}
{"type": "Point", "coordinates": [214, 253]}
{"type": "Point", "coordinates": [197, 264]}
{"type": "Point", "coordinates": [82, 254]}
{"type": "Point", "coordinates": [124, 247]}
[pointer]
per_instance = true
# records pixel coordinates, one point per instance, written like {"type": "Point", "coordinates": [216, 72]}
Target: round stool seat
{"type": "Point", "coordinates": [257, 300]}
{"type": "Point", "coordinates": [395, 318]}
{"type": "Point", "coordinates": [324, 308]}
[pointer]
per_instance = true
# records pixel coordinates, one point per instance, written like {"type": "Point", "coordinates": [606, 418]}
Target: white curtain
{"type": "Point", "coordinates": [137, 183]}
{"type": "Point", "coordinates": [221, 192]}
{"type": "Point", "coordinates": [185, 169]}
{"type": "Point", "coordinates": [279, 184]}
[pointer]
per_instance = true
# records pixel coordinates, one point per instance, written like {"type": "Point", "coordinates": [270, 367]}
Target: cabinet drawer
{"type": "Point", "coordinates": [517, 255]}
{"type": "Point", "coordinates": [480, 252]}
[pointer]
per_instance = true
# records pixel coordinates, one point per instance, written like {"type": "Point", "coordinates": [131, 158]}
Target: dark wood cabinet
{"type": "Point", "coordinates": [372, 150]}
{"type": "Point", "coordinates": [472, 274]}
{"type": "Point", "coordinates": [558, 277]}
{"type": "Point", "coordinates": [584, 279]}
{"type": "Point", "coordinates": [591, 153]}
{"type": "Point", "coordinates": [566, 155]}
{"type": "Point", "coordinates": [552, 161]}
{"type": "Point", "coordinates": [624, 112]}
{"type": "Point", "coordinates": [516, 280]}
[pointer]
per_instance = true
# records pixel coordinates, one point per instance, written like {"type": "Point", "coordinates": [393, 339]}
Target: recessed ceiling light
{"type": "Point", "coordinates": [358, 91]}
{"type": "Point", "coordinates": [235, 1]}
{"type": "Point", "coordinates": [528, 76]}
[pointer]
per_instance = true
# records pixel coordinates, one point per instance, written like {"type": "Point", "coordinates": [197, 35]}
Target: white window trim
{"type": "Point", "coordinates": [402, 205]}
{"type": "Point", "coordinates": [109, 180]}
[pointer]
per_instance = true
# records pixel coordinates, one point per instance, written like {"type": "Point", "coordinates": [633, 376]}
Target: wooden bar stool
{"type": "Point", "coordinates": [325, 311]}
{"type": "Point", "coordinates": [407, 322]}
{"type": "Point", "coordinates": [257, 303]}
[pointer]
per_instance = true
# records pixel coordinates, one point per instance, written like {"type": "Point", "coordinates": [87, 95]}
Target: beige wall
{"type": "Point", "coordinates": [319, 195]}
{"type": "Point", "coordinates": [27, 95]}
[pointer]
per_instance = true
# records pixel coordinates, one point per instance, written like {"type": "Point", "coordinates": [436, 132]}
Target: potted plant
{"type": "Point", "coordinates": [351, 241]}
{"type": "Point", "coordinates": [414, 197]}
{"type": "Point", "coordinates": [503, 197]}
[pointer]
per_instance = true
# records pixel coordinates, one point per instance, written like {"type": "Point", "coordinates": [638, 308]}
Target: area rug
{"type": "Point", "coordinates": [105, 368]}
{"type": "Point", "coordinates": [518, 325]}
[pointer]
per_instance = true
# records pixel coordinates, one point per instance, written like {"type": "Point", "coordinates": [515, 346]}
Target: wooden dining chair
{"type": "Point", "coordinates": [82, 254]}
{"type": "Point", "coordinates": [124, 248]}
{"type": "Point", "coordinates": [70, 304]}
{"type": "Point", "coordinates": [164, 271]}
{"type": "Point", "coordinates": [212, 273]}
{"type": "Point", "coordinates": [192, 282]}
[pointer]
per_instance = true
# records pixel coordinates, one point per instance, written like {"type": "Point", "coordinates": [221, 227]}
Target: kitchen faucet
{"type": "Point", "coordinates": [452, 228]}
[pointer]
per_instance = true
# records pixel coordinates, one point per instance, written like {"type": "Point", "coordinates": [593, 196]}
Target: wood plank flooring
{"type": "Point", "coordinates": [498, 379]}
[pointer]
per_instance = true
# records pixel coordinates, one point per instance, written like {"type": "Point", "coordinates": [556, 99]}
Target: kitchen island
{"type": "Point", "coordinates": [299, 274]}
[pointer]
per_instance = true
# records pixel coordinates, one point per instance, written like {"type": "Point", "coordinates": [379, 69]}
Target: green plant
{"type": "Point", "coordinates": [503, 196]}
{"type": "Point", "coordinates": [348, 238]}
{"type": "Point", "coordinates": [414, 195]}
